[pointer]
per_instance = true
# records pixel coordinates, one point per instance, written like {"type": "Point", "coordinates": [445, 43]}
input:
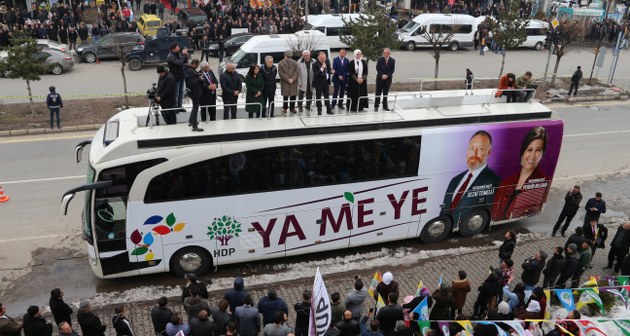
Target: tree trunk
{"type": "Point", "coordinates": [30, 97]}
{"type": "Point", "coordinates": [122, 71]}
{"type": "Point", "coordinates": [502, 64]}
{"type": "Point", "coordinates": [555, 70]}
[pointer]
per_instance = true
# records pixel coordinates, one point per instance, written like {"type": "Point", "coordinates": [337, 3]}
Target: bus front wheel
{"type": "Point", "coordinates": [436, 230]}
{"type": "Point", "coordinates": [191, 260]}
{"type": "Point", "coordinates": [474, 222]}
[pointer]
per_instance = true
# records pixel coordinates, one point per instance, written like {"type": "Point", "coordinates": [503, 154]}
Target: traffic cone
{"type": "Point", "coordinates": [3, 197]}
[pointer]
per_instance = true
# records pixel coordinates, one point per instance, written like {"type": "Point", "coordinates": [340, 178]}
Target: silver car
{"type": "Point", "coordinates": [56, 61]}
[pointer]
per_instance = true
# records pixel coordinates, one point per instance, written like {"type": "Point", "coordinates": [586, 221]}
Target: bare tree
{"type": "Point", "coordinates": [121, 51]}
{"type": "Point", "coordinates": [305, 40]}
{"type": "Point", "coordinates": [438, 37]}
{"type": "Point", "coordinates": [371, 32]}
{"type": "Point", "coordinates": [565, 34]}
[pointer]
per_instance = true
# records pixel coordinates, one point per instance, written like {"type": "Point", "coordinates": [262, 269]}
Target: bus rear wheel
{"type": "Point", "coordinates": [436, 230]}
{"type": "Point", "coordinates": [474, 222]}
{"type": "Point", "coordinates": [190, 260]}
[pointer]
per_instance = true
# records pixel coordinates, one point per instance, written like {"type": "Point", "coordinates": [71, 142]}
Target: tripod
{"type": "Point", "coordinates": [155, 110]}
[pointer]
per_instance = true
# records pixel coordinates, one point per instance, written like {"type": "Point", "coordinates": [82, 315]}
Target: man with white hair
{"type": "Point", "coordinates": [323, 74]}
{"type": "Point", "coordinates": [385, 67]}
{"type": "Point", "coordinates": [231, 85]}
{"type": "Point", "coordinates": [209, 92]}
{"type": "Point", "coordinates": [357, 83]}
{"type": "Point", "coordinates": [305, 80]}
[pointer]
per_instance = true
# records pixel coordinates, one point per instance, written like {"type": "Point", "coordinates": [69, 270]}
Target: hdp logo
{"type": "Point", "coordinates": [424, 313]}
{"type": "Point", "coordinates": [224, 228]}
{"type": "Point", "coordinates": [566, 297]}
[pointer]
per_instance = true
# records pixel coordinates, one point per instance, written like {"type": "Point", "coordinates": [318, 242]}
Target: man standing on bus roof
{"type": "Point", "coordinates": [385, 67]}
{"type": "Point", "coordinates": [458, 201]}
{"type": "Point", "coordinates": [340, 80]}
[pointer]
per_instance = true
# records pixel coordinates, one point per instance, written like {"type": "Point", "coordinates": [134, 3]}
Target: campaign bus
{"type": "Point", "coordinates": [162, 198]}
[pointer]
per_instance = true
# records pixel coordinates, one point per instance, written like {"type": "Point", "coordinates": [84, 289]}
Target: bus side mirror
{"type": "Point", "coordinates": [65, 201]}
{"type": "Point", "coordinates": [78, 150]}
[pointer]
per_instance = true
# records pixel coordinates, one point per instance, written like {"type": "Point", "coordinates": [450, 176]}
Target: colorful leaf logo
{"type": "Point", "coordinates": [162, 230]}
{"type": "Point", "coordinates": [136, 237]}
{"type": "Point", "coordinates": [143, 242]}
{"type": "Point", "coordinates": [349, 196]}
{"type": "Point", "coordinates": [153, 220]}
{"type": "Point", "coordinates": [170, 219]}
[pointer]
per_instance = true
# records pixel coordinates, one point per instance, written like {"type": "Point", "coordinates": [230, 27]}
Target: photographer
{"type": "Point", "coordinates": [166, 94]}
{"type": "Point", "coordinates": [193, 86]}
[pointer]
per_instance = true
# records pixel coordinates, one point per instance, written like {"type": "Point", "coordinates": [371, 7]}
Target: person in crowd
{"type": "Point", "coordinates": [507, 84]}
{"type": "Point", "coordinates": [373, 330]}
{"type": "Point", "coordinates": [567, 325]}
{"type": "Point", "coordinates": [443, 303]}
{"type": "Point", "coordinates": [61, 311]}
{"type": "Point", "coordinates": [201, 325]}
{"type": "Point", "coordinates": [583, 263]}
{"type": "Point", "coordinates": [83, 33]}
{"type": "Point", "coordinates": [208, 93]}
{"type": "Point", "coordinates": [488, 289]}
{"type": "Point", "coordinates": [515, 298]}
{"type": "Point", "coordinates": [596, 234]}
{"type": "Point", "coordinates": [388, 315]}
{"type": "Point", "coordinates": [503, 309]}
{"type": "Point", "coordinates": [575, 81]}
{"type": "Point", "coordinates": [194, 82]}
{"type": "Point", "coordinates": [72, 37]}
{"type": "Point", "coordinates": [538, 294]}
{"type": "Point", "coordinates": [269, 305]}
{"type": "Point", "coordinates": [205, 48]}
{"type": "Point", "coordinates": [594, 208]}
{"type": "Point", "coordinates": [289, 73]}
{"type": "Point", "coordinates": [322, 74]}
{"type": "Point", "coordinates": [554, 267]}
{"type": "Point", "coordinates": [195, 303]}
{"type": "Point", "coordinates": [619, 247]}
{"type": "Point", "coordinates": [402, 329]}
{"type": "Point", "coordinates": [531, 312]}
{"type": "Point", "coordinates": [357, 83]}
{"type": "Point", "coordinates": [470, 77]}
{"type": "Point", "coordinates": [120, 322]}
{"type": "Point", "coordinates": [35, 324]}
{"type": "Point", "coordinates": [507, 247]}
{"type": "Point", "coordinates": [337, 308]}
{"type": "Point", "coordinates": [222, 316]}
{"type": "Point", "coordinates": [487, 329]}
{"type": "Point", "coordinates": [65, 329]}
{"type": "Point", "coordinates": [8, 326]}
{"type": "Point", "coordinates": [572, 201]}
{"type": "Point", "coordinates": [340, 79]}
{"type": "Point", "coordinates": [305, 80]}
{"type": "Point", "coordinates": [235, 296]}
{"type": "Point", "coordinates": [625, 266]}
{"type": "Point", "coordinates": [302, 314]}
{"type": "Point", "coordinates": [160, 315]}
{"type": "Point", "coordinates": [277, 326]}
{"type": "Point", "coordinates": [532, 268]}
{"type": "Point", "coordinates": [166, 95]}
{"type": "Point", "coordinates": [576, 238]}
{"type": "Point", "coordinates": [355, 299]}
{"type": "Point", "coordinates": [269, 73]}
{"type": "Point", "coordinates": [54, 104]}
{"type": "Point", "coordinates": [385, 68]}
{"type": "Point", "coordinates": [388, 285]}
{"type": "Point", "coordinates": [347, 326]}
{"type": "Point", "coordinates": [176, 59]}
{"type": "Point", "coordinates": [460, 289]}
{"type": "Point", "coordinates": [176, 324]}
{"type": "Point", "coordinates": [523, 193]}
{"type": "Point", "coordinates": [231, 85]}
{"type": "Point", "coordinates": [523, 82]}
{"type": "Point", "coordinates": [221, 52]}
{"type": "Point", "coordinates": [88, 321]}
{"type": "Point", "coordinates": [571, 262]}
{"type": "Point", "coordinates": [255, 84]}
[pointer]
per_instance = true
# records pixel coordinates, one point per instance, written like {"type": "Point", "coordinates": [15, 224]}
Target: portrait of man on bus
{"type": "Point", "coordinates": [475, 186]}
{"type": "Point", "coordinates": [524, 192]}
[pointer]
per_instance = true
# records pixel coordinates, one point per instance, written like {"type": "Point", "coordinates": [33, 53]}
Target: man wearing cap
{"type": "Point", "coordinates": [34, 322]}
{"type": "Point", "coordinates": [209, 93]}
{"type": "Point", "coordinates": [289, 74]}
{"type": "Point", "coordinates": [166, 95]}
{"type": "Point", "coordinates": [88, 321]}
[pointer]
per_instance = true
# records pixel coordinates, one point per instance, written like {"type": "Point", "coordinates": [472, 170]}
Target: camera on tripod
{"type": "Point", "coordinates": [152, 92]}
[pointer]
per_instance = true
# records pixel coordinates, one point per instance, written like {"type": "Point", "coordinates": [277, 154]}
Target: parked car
{"type": "Point", "coordinates": [49, 44]}
{"type": "Point", "coordinates": [57, 62]}
{"type": "Point", "coordinates": [232, 43]}
{"type": "Point", "coordinates": [191, 16]}
{"type": "Point", "coordinates": [154, 51]}
{"type": "Point", "coordinates": [106, 46]}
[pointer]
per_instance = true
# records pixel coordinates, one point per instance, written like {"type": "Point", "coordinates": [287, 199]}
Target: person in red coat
{"type": "Point", "coordinates": [507, 82]}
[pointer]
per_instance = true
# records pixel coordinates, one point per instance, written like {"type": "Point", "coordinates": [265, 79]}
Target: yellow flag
{"type": "Point", "coordinates": [419, 289]}
{"type": "Point", "coordinates": [380, 303]}
{"type": "Point", "coordinates": [375, 281]}
{"type": "Point", "coordinates": [548, 304]}
{"type": "Point", "coordinates": [468, 328]}
{"type": "Point", "coordinates": [564, 330]}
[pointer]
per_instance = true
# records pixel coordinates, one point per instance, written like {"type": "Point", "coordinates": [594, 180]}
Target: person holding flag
{"type": "Point", "coordinates": [390, 314]}
{"type": "Point", "coordinates": [388, 285]}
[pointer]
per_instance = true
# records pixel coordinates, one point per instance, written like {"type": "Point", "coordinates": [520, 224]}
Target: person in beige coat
{"type": "Point", "coordinates": [289, 73]}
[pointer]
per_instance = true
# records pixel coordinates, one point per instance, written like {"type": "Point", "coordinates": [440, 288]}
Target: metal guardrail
{"type": "Point", "coordinates": [511, 90]}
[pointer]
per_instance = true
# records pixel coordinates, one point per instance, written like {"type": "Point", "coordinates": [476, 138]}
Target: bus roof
{"type": "Point", "coordinates": [412, 110]}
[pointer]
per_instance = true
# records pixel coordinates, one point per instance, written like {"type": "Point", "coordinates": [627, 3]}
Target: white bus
{"type": "Point", "coordinates": [163, 198]}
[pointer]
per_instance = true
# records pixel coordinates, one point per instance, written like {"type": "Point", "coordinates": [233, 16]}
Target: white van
{"type": "Point", "coordinates": [411, 35]}
{"type": "Point", "coordinates": [536, 34]}
{"type": "Point", "coordinates": [258, 47]}
{"type": "Point", "coordinates": [332, 25]}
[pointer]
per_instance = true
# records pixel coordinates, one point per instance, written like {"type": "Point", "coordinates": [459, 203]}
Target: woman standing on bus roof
{"type": "Point", "coordinates": [524, 193]}
{"type": "Point", "coordinates": [357, 85]}
{"type": "Point", "coordinates": [254, 98]}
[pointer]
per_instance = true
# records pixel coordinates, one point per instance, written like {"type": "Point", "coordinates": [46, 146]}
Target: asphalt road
{"type": "Point", "coordinates": [39, 247]}
{"type": "Point", "coordinates": [105, 78]}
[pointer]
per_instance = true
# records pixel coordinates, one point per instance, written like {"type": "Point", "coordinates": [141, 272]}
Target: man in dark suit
{"type": "Point", "coordinates": [340, 80]}
{"type": "Point", "coordinates": [209, 93]}
{"type": "Point", "coordinates": [595, 233]}
{"type": "Point", "coordinates": [619, 247]}
{"type": "Point", "coordinates": [195, 90]}
{"type": "Point", "coordinates": [231, 85]}
{"type": "Point", "coordinates": [322, 75]}
{"type": "Point", "coordinates": [594, 207]}
{"type": "Point", "coordinates": [474, 187]}
{"type": "Point", "coordinates": [385, 67]}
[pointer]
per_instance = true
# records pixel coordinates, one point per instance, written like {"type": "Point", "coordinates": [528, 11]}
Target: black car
{"type": "Point", "coordinates": [192, 16]}
{"type": "Point", "coordinates": [106, 47]}
{"type": "Point", "coordinates": [154, 51]}
{"type": "Point", "coordinates": [232, 43]}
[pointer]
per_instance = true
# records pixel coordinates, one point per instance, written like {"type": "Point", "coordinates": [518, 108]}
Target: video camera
{"type": "Point", "coordinates": [152, 92]}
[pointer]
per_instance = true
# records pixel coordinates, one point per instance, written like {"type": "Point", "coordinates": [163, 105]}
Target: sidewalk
{"type": "Point", "coordinates": [475, 264]}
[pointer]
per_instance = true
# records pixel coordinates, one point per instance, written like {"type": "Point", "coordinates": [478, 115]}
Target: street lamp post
{"type": "Point", "coordinates": [599, 43]}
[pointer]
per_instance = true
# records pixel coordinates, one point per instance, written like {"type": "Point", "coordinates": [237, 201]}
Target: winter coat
{"type": "Point", "coordinates": [348, 328]}
{"type": "Point", "coordinates": [585, 260]}
{"type": "Point", "coordinates": [599, 238]}
{"type": "Point", "coordinates": [577, 76]}
{"type": "Point", "coordinates": [221, 319]}
{"type": "Point", "coordinates": [303, 78]}
{"type": "Point", "coordinates": [443, 304]}
{"type": "Point", "coordinates": [572, 202]}
{"type": "Point", "coordinates": [203, 290]}
{"type": "Point", "coordinates": [337, 310]}
{"type": "Point", "coordinates": [236, 295]}
{"type": "Point", "coordinates": [365, 330]}
{"type": "Point", "coordinates": [193, 82]}
{"type": "Point", "coordinates": [268, 308]}
{"type": "Point", "coordinates": [230, 83]}
{"type": "Point", "coordinates": [621, 241]}
{"type": "Point", "coordinates": [166, 91]}
{"type": "Point", "coordinates": [288, 69]}
{"type": "Point", "coordinates": [8, 326]}
{"type": "Point", "coordinates": [302, 315]}
{"type": "Point", "coordinates": [354, 301]}
{"type": "Point", "coordinates": [36, 326]}
{"type": "Point", "coordinates": [204, 327]}
{"type": "Point", "coordinates": [90, 324]}
{"type": "Point", "coordinates": [459, 289]}
{"type": "Point", "coordinates": [574, 239]}
{"type": "Point", "coordinates": [570, 267]}
{"type": "Point", "coordinates": [122, 326]}
{"type": "Point", "coordinates": [504, 84]}
{"type": "Point", "coordinates": [487, 290]}
{"type": "Point", "coordinates": [554, 267]}
{"type": "Point", "coordinates": [193, 305]}
{"type": "Point", "coordinates": [254, 85]}
{"type": "Point", "coordinates": [625, 266]}
{"type": "Point", "coordinates": [160, 316]}
{"type": "Point", "coordinates": [60, 310]}
{"type": "Point", "coordinates": [531, 271]}
{"type": "Point", "coordinates": [248, 320]}
{"type": "Point", "coordinates": [507, 248]}
{"type": "Point", "coordinates": [269, 77]}
{"type": "Point", "coordinates": [387, 317]}
{"type": "Point", "coordinates": [176, 64]}
{"type": "Point", "coordinates": [384, 290]}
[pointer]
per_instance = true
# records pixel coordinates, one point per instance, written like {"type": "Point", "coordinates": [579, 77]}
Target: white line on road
{"type": "Point", "coordinates": [12, 240]}
{"type": "Point", "coordinates": [595, 133]}
{"type": "Point", "coordinates": [47, 179]}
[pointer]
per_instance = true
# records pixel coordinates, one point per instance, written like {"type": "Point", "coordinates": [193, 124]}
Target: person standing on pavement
{"type": "Point", "coordinates": [305, 80]}
{"type": "Point", "coordinates": [594, 208]}
{"type": "Point", "coordinates": [619, 247]}
{"type": "Point", "coordinates": [35, 324]}
{"type": "Point", "coordinates": [596, 234]}
{"type": "Point", "coordinates": [554, 267]}
{"type": "Point", "coordinates": [121, 323]}
{"type": "Point", "coordinates": [231, 85]}
{"type": "Point", "coordinates": [470, 77]}
{"type": "Point", "coordinates": [388, 285]}
{"type": "Point", "coordinates": [532, 268]}
{"type": "Point", "coordinates": [355, 299]}
{"type": "Point", "coordinates": [507, 248]}
{"type": "Point", "coordinates": [65, 329]}
{"type": "Point", "coordinates": [337, 308]}
{"type": "Point", "coordinates": [194, 304]}
{"type": "Point", "coordinates": [322, 74]}
{"type": "Point", "coordinates": [236, 295]}
{"type": "Point", "coordinates": [277, 326]}
{"type": "Point", "coordinates": [575, 81]}
{"type": "Point", "coordinates": [88, 321]}
{"type": "Point", "coordinates": [176, 59]}
{"type": "Point", "coordinates": [572, 201]}
{"type": "Point", "coordinates": [390, 314]}
{"type": "Point", "coordinates": [269, 73]}
{"type": "Point", "coordinates": [8, 326]}
{"type": "Point", "coordinates": [460, 289]}
{"type": "Point", "coordinates": [55, 104]}
{"type": "Point", "coordinates": [583, 263]}
{"type": "Point", "coordinates": [340, 79]}
{"type": "Point", "coordinates": [289, 74]}
{"type": "Point", "coordinates": [302, 314]}
{"type": "Point", "coordinates": [221, 316]}
{"type": "Point", "coordinates": [443, 299]}
{"type": "Point", "coordinates": [385, 68]}
{"type": "Point", "coordinates": [161, 315]}
{"type": "Point", "coordinates": [194, 85]}
{"type": "Point", "coordinates": [576, 238]}
{"type": "Point", "coordinates": [269, 305]}
{"type": "Point", "coordinates": [205, 48]}
{"type": "Point", "coordinates": [202, 325]}
{"type": "Point", "coordinates": [571, 261]}
{"type": "Point", "coordinates": [488, 289]}
{"type": "Point", "coordinates": [61, 311]}
{"type": "Point", "coordinates": [208, 93]}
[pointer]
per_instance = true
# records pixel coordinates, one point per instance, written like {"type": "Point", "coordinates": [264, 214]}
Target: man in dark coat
{"type": "Point", "coordinates": [507, 248]}
{"type": "Point", "coordinates": [269, 73]}
{"type": "Point", "coordinates": [90, 323]}
{"type": "Point", "coordinates": [61, 311]}
{"type": "Point", "coordinates": [596, 234]}
{"type": "Point", "coordinates": [193, 83]}
{"type": "Point", "coordinates": [236, 295]}
{"type": "Point", "coordinates": [231, 85]}
{"type": "Point", "coordinates": [554, 267]}
{"type": "Point", "coordinates": [269, 305]}
{"type": "Point", "coordinates": [443, 304]}
{"type": "Point", "coordinates": [322, 74]}
{"type": "Point", "coordinates": [572, 259]}
{"type": "Point", "coordinates": [575, 81]}
{"type": "Point", "coordinates": [302, 314]}
{"type": "Point", "coordinates": [202, 325]}
{"type": "Point", "coordinates": [209, 93]}
{"type": "Point", "coordinates": [176, 59]}
{"type": "Point", "coordinates": [385, 67]}
{"type": "Point", "coordinates": [625, 266]}
{"type": "Point", "coordinates": [572, 201]}
{"type": "Point", "coordinates": [532, 268]}
{"type": "Point", "coordinates": [594, 208]}
{"type": "Point", "coordinates": [348, 326]}
{"type": "Point", "coordinates": [357, 83]}
{"type": "Point", "coordinates": [619, 247]}
{"type": "Point", "coordinates": [161, 315]}
{"type": "Point", "coordinates": [340, 79]}
{"type": "Point", "coordinates": [388, 315]}
{"type": "Point", "coordinates": [576, 238]}
{"type": "Point", "coordinates": [120, 322]}
{"type": "Point", "coordinates": [167, 95]}
{"type": "Point", "coordinates": [35, 324]}
{"type": "Point", "coordinates": [8, 326]}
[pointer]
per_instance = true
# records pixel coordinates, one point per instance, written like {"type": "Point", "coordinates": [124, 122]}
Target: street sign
{"type": "Point", "coordinates": [601, 58]}
{"type": "Point", "coordinates": [555, 23]}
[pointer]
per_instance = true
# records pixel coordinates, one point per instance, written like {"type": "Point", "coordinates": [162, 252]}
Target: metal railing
{"type": "Point", "coordinates": [494, 92]}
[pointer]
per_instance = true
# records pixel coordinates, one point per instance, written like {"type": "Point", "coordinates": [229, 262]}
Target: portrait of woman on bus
{"type": "Point", "coordinates": [523, 193]}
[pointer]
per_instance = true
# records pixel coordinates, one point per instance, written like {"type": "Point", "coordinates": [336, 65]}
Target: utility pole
{"type": "Point", "coordinates": [599, 43]}
{"type": "Point", "coordinates": [616, 51]}
{"type": "Point", "coordinates": [550, 41]}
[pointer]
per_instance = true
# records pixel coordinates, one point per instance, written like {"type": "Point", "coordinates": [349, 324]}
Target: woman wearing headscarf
{"type": "Point", "coordinates": [388, 285]}
{"type": "Point", "coordinates": [357, 85]}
